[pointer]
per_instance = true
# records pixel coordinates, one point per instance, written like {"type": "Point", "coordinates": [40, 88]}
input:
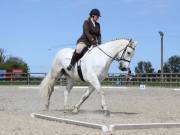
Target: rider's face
{"type": "Point", "coordinates": [95, 18]}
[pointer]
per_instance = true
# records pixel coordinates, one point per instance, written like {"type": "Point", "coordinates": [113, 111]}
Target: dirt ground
{"type": "Point", "coordinates": [127, 106]}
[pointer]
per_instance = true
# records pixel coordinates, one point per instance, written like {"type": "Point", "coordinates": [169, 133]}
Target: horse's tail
{"type": "Point", "coordinates": [47, 84]}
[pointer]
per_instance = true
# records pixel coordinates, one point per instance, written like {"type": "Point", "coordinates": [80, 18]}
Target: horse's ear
{"type": "Point", "coordinates": [135, 43]}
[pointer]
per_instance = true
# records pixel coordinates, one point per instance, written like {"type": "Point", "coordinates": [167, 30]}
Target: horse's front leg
{"type": "Point", "coordinates": [83, 99]}
{"type": "Point", "coordinates": [96, 84]}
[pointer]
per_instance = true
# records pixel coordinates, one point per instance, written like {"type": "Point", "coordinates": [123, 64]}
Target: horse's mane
{"type": "Point", "coordinates": [119, 39]}
{"type": "Point", "coordinates": [116, 39]}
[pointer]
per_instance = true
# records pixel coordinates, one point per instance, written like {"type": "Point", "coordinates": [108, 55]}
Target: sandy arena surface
{"type": "Point", "coordinates": [127, 106]}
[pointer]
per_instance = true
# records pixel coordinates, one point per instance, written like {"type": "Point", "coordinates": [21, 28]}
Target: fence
{"type": "Point", "coordinates": [149, 79]}
{"type": "Point", "coordinates": [165, 80]}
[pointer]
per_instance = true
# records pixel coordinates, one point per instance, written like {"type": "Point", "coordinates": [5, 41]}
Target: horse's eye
{"type": "Point", "coordinates": [128, 53]}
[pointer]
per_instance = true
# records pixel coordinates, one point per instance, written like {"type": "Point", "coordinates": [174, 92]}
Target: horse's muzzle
{"type": "Point", "coordinates": [123, 69]}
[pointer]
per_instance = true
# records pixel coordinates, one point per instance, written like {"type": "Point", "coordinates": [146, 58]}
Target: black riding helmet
{"type": "Point", "coordinates": [95, 12]}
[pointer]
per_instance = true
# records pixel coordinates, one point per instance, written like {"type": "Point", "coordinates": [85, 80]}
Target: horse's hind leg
{"type": "Point", "coordinates": [70, 84]}
{"type": "Point", "coordinates": [51, 89]}
{"type": "Point", "coordinates": [48, 99]}
{"type": "Point", "coordinates": [83, 99]}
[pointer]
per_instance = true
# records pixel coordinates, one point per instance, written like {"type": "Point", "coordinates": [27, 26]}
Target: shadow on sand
{"type": "Point", "coordinates": [82, 111]}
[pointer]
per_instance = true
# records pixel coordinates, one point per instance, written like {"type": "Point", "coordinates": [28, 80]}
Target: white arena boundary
{"type": "Point", "coordinates": [110, 128]}
{"type": "Point", "coordinates": [70, 121]}
{"type": "Point", "coordinates": [75, 87]}
{"type": "Point", "coordinates": [85, 87]}
{"type": "Point", "coordinates": [143, 126]}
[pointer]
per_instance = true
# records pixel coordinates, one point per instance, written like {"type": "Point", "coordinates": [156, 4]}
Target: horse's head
{"type": "Point", "coordinates": [125, 55]}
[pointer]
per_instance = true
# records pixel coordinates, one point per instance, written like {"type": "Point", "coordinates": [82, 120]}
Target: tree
{"type": "Point", "coordinates": [172, 65]}
{"type": "Point", "coordinates": [2, 55]}
{"type": "Point", "coordinates": [166, 68]}
{"type": "Point", "coordinates": [12, 62]}
{"type": "Point", "coordinates": [144, 67]}
{"type": "Point", "coordinates": [16, 62]}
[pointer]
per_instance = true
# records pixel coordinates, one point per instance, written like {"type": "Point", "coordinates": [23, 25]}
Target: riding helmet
{"type": "Point", "coordinates": [95, 12]}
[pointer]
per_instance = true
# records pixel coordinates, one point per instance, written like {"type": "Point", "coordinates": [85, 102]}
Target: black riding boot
{"type": "Point", "coordinates": [74, 59]}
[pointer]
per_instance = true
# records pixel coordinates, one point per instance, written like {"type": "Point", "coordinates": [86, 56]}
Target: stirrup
{"type": "Point", "coordinates": [69, 67]}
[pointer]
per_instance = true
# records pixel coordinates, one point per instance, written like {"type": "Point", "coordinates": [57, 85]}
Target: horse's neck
{"type": "Point", "coordinates": [113, 48]}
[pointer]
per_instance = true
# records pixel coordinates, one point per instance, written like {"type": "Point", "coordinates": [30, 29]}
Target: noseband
{"type": "Point", "coordinates": [123, 54]}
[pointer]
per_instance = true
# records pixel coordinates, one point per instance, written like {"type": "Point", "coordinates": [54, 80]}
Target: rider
{"type": "Point", "coordinates": [91, 36]}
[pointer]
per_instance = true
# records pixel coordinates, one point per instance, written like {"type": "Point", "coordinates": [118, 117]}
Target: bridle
{"type": "Point", "coordinates": [123, 54]}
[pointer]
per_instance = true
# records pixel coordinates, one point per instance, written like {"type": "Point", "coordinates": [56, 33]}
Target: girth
{"type": "Point", "coordinates": [79, 70]}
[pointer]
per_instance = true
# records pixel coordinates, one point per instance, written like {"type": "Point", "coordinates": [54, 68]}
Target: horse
{"type": "Point", "coordinates": [94, 67]}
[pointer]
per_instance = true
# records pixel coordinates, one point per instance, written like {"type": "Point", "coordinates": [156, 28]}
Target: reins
{"type": "Point", "coordinates": [115, 58]}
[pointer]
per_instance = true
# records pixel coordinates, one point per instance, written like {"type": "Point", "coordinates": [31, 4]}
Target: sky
{"type": "Point", "coordinates": [35, 30]}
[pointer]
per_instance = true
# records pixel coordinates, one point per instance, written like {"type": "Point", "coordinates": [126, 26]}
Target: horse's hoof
{"type": "Point", "coordinates": [66, 109]}
{"type": "Point", "coordinates": [47, 107]}
{"type": "Point", "coordinates": [107, 113]}
{"type": "Point", "coordinates": [75, 111]}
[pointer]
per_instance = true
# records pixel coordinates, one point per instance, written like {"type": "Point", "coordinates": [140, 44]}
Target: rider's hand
{"type": "Point", "coordinates": [94, 43]}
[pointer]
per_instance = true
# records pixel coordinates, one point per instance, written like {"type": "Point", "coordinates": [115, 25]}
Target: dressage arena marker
{"type": "Point", "coordinates": [177, 89]}
{"type": "Point", "coordinates": [110, 128]}
{"type": "Point", "coordinates": [70, 121]}
{"type": "Point", "coordinates": [142, 86]}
